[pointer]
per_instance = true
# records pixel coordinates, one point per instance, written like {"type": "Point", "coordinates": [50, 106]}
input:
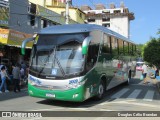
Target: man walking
{"type": "Point", "coordinates": [16, 77]}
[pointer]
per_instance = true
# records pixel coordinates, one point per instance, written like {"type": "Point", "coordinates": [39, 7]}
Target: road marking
{"type": "Point", "coordinates": [134, 94]}
{"type": "Point", "coordinates": [131, 103]}
{"type": "Point", "coordinates": [52, 109]}
{"type": "Point", "coordinates": [120, 93]}
{"type": "Point", "coordinates": [149, 96]}
{"type": "Point", "coordinates": [103, 109]}
{"type": "Point", "coordinates": [61, 108]}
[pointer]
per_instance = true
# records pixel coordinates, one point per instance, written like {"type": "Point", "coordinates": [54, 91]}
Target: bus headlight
{"type": "Point", "coordinates": [75, 95]}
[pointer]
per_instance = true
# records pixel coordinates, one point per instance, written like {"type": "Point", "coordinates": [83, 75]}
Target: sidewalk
{"type": "Point", "coordinates": [11, 89]}
{"type": "Point", "coordinates": [12, 95]}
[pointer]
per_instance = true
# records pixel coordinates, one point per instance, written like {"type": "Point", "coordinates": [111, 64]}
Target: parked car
{"type": "Point", "coordinates": [139, 66]}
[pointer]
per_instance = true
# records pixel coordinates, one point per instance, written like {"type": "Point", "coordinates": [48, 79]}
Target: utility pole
{"type": "Point", "coordinates": [67, 11]}
{"type": "Point", "coordinates": [44, 3]}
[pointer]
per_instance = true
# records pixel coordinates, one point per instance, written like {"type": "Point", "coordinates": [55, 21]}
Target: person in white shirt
{"type": "Point", "coordinates": [144, 72]}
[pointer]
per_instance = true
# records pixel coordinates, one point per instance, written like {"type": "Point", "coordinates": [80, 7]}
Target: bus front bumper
{"type": "Point", "coordinates": [76, 94]}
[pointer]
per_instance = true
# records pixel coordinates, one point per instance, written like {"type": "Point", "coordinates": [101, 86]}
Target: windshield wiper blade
{"type": "Point", "coordinates": [46, 59]}
{"type": "Point", "coordinates": [59, 64]}
{"type": "Point", "coordinates": [61, 69]}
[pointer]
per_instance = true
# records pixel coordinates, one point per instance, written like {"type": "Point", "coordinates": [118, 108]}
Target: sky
{"type": "Point", "coordinates": [146, 12]}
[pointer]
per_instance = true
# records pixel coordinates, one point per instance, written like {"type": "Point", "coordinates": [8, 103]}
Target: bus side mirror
{"type": "Point", "coordinates": [35, 49]}
{"type": "Point", "coordinates": [23, 46]}
{"type": "Point", "coordinates": [85, 45]}
{"type": "Point", "coordinates": [84, 50]}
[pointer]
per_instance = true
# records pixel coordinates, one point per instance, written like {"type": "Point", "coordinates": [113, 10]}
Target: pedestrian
{"type": "Point", "coordinates": [23, 65]}
{"type": "Point", "coordinates": [144, 72]}
{"type": "Point", "coordinates": [22, 73]}
{"type": "Point", "coordinates": [16, 77]}
{"type": "Point", "coordinates": [4, 76]}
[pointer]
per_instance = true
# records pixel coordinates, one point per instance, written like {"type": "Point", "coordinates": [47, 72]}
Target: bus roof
{"type": "Point", "coordinates": [77, 28]}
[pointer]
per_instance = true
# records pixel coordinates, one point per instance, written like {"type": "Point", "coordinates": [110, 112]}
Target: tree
{"type": "Point", "coordinates": [151, 52]}
{"type": "Point", "coordinates": [158, 31]}
{"type": "Point", "coordinates": [139, 50]}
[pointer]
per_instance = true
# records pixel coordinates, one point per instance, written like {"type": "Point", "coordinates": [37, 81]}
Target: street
{"type": "Point", "coordinates": [134, 97]}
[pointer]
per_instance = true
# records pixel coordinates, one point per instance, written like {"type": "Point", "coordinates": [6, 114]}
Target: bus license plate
{"type": "Point", "coordinates": [50, 95]}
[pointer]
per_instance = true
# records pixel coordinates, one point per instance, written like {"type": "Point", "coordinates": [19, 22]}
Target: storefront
{"type": "Point", "coordinates": [10, 46]}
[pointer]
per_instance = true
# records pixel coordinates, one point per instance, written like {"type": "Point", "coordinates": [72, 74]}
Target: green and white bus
{"type": "Point", "coordinates": [76, 62]}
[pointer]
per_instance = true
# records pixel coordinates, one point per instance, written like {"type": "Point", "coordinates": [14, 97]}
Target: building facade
{"type": "Point", "coordinates": [29, 17]}
{"type": "Point", "coordinates": [115, 18]}
{"type": "Point", "coordinates": [58, 6]}
{"type": "Point", "coordinates": [20, 19]}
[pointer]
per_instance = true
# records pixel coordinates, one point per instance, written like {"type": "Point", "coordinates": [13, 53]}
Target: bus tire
{"type": "Point", "coordinates": [101, 91]}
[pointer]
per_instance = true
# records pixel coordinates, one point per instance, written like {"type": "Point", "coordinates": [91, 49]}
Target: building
{"type": "Point", "coordinates": [20, 19]}
{"type": "Point", "coordinates": [30, 17]}
{"type": "Point", "coordinates": [59, 6]}
{"type": "Point", "coordinates": [115, 18]}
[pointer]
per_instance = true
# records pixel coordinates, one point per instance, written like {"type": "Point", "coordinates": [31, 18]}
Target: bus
{"type": "Point", "coordinates": [78, 61]}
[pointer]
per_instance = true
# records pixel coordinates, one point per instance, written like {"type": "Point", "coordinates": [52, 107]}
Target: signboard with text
{"type": "Point", "coordinates": [13, 38]}
{"type": "Point", "coordinates": [4, 16]}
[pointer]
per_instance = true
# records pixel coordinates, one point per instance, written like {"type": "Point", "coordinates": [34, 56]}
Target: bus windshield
{"type": "Point", "coordinates": [58, 55]}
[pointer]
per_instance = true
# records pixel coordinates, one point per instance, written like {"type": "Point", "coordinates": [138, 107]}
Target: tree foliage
{"type": "Point", "coordinates": [139, 50]}
{"type": "Point", "coordinates": [158, 31]}
{"type": "Point", "coordinates": [151, 52]}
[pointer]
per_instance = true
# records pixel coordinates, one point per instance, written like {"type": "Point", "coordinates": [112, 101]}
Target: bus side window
{"type": "Point", "coordinates": [92, 54]}
{"type": "Point", "coordinates": [106, 44]}
{"type": "Point", "coordinates": [93, 49]}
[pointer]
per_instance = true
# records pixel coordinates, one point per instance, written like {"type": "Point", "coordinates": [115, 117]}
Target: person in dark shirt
{"type": "Point", "coordinates": [16, 77]}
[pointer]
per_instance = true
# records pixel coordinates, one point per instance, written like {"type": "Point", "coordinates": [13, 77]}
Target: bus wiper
{"type": "Point", "coordinates": [61, 69]}
{"type": "Point", "coordinates": [46, 59]}
{"type": "Point", "coordinates": [60, 66]}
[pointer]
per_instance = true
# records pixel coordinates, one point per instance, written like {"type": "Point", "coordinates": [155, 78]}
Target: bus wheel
{"type": "Point", "coordinates": [101, 90]}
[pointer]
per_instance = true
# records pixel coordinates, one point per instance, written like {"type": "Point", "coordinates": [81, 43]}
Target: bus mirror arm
{"type": "Point", "coordinates": [23, 46]}
{"type": "Point", "coordinates": [85, 45]}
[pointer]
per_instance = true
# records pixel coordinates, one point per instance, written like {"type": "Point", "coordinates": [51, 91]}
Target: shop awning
{"type": "Point", "coordinates": [14, 38]}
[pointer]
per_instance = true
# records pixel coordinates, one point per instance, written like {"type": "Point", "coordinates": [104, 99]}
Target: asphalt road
{"type": "Point", "coordinates": [133, 97]}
